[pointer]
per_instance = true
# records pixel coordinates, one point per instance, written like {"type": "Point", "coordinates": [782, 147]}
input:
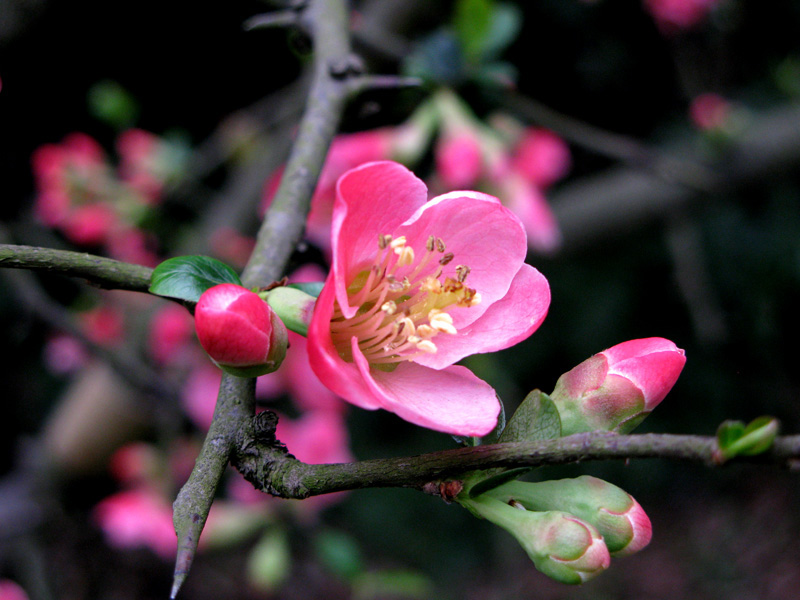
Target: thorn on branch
{"type": "Point", "coordinates": [347, 66]}
{"type": "Point", "coordinates": [284, 18]}
{"type": "Point", "coordinates": [366, 82]}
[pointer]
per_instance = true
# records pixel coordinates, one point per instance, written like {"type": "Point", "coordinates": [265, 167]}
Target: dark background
{"type": "Point", "coordinates": [726, 532]}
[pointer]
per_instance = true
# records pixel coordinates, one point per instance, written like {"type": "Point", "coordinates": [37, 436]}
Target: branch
{"type": "Point", "coordinates": [277, 238]}
{"type": "Point", "coordinates": [102, 272]}
{"type": "Point", "coordinates": [270, 468]}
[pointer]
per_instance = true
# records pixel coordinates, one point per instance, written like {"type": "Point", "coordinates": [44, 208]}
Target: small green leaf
{"type": "Point", "coordinates": [472, 24]}
{"type": "Point", "coordinates": [736, 439]}
{"type": "Point", "coordinates": [187, 277]}
{"type": "Point", "coordinates": [536, 419]}
{"type": "Point", "coordinates": [313, 288]}
{"type": "Point", "coordinates": [339, 552]}
{"type": "Point", "coordinates": [269, 561]}
{"type": "Point", "coordinates": [504, 26]}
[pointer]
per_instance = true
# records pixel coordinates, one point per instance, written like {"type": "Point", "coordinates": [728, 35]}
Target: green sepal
{"type": "Point", "coordinates": [312, 288]}
{"type": "Point", "coordinates": [536, 419]}
{"type": "Point", "coordinates": [187, 277]}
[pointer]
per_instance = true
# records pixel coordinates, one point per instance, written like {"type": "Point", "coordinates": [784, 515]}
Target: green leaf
{"type": "Point", "coordinates": [269, 561]}
{"type": "Point", "coordinates": [339, 552]}
{"type": "Point", "coordinates": [504, 26]}
{"type": "Point", "coordinates": [187, 277]}
{"type": "Point", "coordinates": [472, 24]}
{"type": "Point", "coordinates": [313, 288]}
{"type": "Point", "coordinates": [734, 438]}
{"type": "Point", "coordinates": [536, 419]}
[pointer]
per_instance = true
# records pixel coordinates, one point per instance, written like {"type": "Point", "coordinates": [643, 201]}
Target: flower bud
{"type": "Point", "coordinates": [617, 388]}
{"type": "Point", "coordinates": [561, 545]}
{"type": "Point", "coordinates": [294, 306]}
{"type": "Point", "coordinates": [239, 331]}
{"type": "Point", "coordinates": [617, 516]}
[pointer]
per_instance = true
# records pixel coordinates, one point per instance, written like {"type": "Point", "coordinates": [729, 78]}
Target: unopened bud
{"type": "Point", "coordinates": [239, 331]}
{"type": "Point", "coordinates": [561, 545]}
{"type": "Point", "coordinates": [617, 388]}
{"type": "Point", "coordinates": [614, 513]}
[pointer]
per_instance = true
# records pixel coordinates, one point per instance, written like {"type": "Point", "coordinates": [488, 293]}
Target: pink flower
{"type": "Point", "coordinates": [239, 331]}
{"type": "Point", "coordinates": [531, 207]}
{"type": "Point", "coordinates": [541, 157]}
{"type": "Point", "coordinates": [709, 111]}
{"type": "Point", "coordinates": [617, 388]}
{"type": "Point", "coordinates": [459, 159]}
{"type": "Point", "coordinates": [104, 325]}
{"type": "Point", "coordinates": [11, 591]}
{"type": "Point", "coordinates": [414, 287]}
{"type": "Point", "coordinates": [138, 518]}
{"type": "Point", "coordinates": [171, 330]}
{"type": "Point", "coordinates": [672, 16]}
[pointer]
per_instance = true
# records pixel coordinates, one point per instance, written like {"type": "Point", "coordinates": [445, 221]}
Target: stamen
{"type": "Point", "coordinates": [440, 245]}
{"type": "Point", "coordinates": [389, 307]}
{"type": "Point", "coordinates": [446, 258]}
{"type": "Point", "coordinates": [384, 240]}
{"type": "Point", "coordinates": [430, 244]}
{"type": "Point", "coordinates": [441, 321]}
{"type": "Point", "coordinates": [427, 346]}
{"type": "Point", "coordinates": [461, 272]}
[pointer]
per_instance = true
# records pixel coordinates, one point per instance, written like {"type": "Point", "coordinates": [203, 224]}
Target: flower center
{"type": "Point", "coordinates": [402, 303]}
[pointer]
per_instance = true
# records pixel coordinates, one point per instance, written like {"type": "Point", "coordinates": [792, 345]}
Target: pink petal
{"type": "Point", "coordinates": [482, 234]}
{"type": "Point", "coordinates": [372, 199]}
{"type": "Point", "coordinates": [505, 323]}
{"type": "Point", "coordinates": [452, 400]}
{"type": "Point", "coordinates": [341, 377]}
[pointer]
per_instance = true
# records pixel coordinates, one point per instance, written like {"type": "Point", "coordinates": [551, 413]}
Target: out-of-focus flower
{"type": "Point", "coordinates": [561, 545]}
{"type": "Point", "coordinates": [674, 16]}
{"type": "Point", "coordinates": [709, 111]}
{"type": "Point", "coordinates": [64, 354]}
{"type": "Point", "coordinates": [346, 151]}
{"type": "Point", "coordinates": [138, 518]}
{"type": "Point", "coordinates": [621, 521]}
{"type": "Point", "coordinates": [239, 331]}
{"type": "Point", "coordinates": [617, 388]}
{"type": "Point", "coordinates": [171, 333]}
{"type": "Point", "coordinates": [396, 310]}
{"type": "Point", "coordinates": [459, 159]}
{"type": "Point", "coordinates": [11, 591]}
{"type": "Point", "coordinates": [541, 157]}
{"type": "Point", "coordinates": [104, 324]}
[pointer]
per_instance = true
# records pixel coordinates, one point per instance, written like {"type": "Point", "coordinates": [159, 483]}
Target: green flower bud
{"type": "Point", "coordinates": [560, 545]}
{"type": "Point", "coordinates": [617, 516]}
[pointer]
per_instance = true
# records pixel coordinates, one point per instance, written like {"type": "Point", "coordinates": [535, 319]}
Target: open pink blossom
{"type": "Point", "coordinates": [414, 287]}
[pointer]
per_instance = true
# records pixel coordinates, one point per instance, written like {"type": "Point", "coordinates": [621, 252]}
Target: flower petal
{"type": "Point", "coordinates": [371, 200]}
{"type": "Point", "coordinates": [342, 378]}
{"type": "Point", "coordinates": [452, 400]}
{"type": "Point", "coordinates": [482, 234]}
{"type": "Point", "coordinates": [505, 323]}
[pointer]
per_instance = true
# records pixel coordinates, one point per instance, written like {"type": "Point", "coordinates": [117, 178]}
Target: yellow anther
{"type": "Point", "coordinates": [389, 307]}
{"type": "Point", "coordinates": [427, 346]}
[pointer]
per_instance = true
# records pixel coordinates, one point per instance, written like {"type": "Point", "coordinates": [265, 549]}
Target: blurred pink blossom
{"type": "Point", "coordinates": [11, 591]}
{"type": "Point", "coordinates": [64, 354]}
{"type": "Point", "coordinates": [199, 394]}
{"type": "Point", "coordinates": [459, 159]}
{"type": "Point", "coordinates": [347, 151]}
{"type": "Point", "coordinates": [541, 157]}
{"type": "Point", "coordinates": [673, 16]}
{"type": "Point", "coordinates": [137, 518]}
{"type": "Point", "coordinates": [104, 324]}
{"type": "Point", "coordinates": [709, 111]}
{"type": "Point", "coordinates": [171, 334]}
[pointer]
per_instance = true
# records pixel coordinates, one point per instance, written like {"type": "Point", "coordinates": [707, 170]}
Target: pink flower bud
{"type": "Point", "coordinates": [617, 388]}
{"type": "Point", "coordinates": [239, 331]}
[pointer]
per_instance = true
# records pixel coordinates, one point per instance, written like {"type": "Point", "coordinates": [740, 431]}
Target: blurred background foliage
{"type": "Point", "coordinates": [712, 263]}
